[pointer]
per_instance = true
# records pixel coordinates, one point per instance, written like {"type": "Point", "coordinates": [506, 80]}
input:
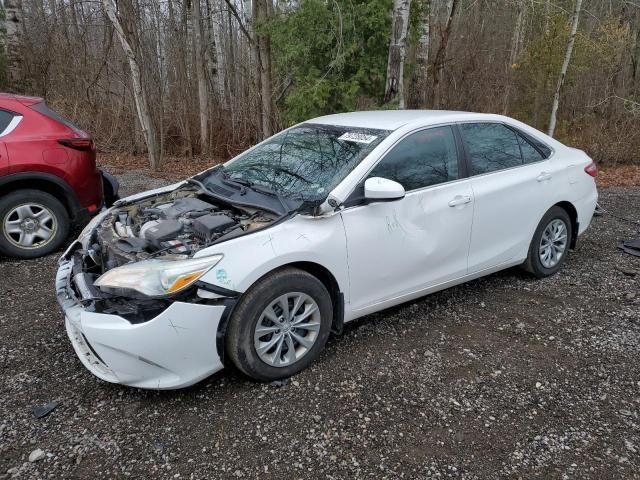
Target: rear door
{"type": "Point", "coordinates": [400, 247]}
{"type": "Point", "coordinates": [510, 180]}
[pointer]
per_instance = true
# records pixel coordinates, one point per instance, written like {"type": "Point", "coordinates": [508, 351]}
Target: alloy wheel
{"type": "Point", "coordinates": [553, 243]}
{"type": "Point", "coordinates": [29, 226]}
{"type": "Point", "coordinates": [287, 329]}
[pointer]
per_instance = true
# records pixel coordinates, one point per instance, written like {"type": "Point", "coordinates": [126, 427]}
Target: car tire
{"type": "Point", "coordinates": [552, 237]}
{"type": "Point", "coordinates": [260, 310]}
{"type": "Point", "coordinates": [33, 223]}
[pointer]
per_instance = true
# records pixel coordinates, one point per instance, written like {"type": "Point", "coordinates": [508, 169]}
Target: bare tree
{"type": "Point", "coordinates": [422, 54]}
{"type": "Point", "coordinates": [170, 77]}
{"type": "Point", "coordinates": [441, 54]}
{"type": "Point", "coordinates": [215, 51]}
{"type": "Point", "coordinates": [397, 52]}
{"type": "Point", "coordinates": [203, 91]}
{"type": "Point", "coordinates": [260, 15]}
{"type": "Point", "coordinates": [124, 25]}
{"type": "Point", "coordinates": [516, 47]}
{"type": "Point", "coordinates": [13, 33]}
{"type": "Point", "coordinates": [547, 15]}
{"type": "Point", "coordinates": [635, 53]}
{"type": "Point", "coordinates": [517, 37]}
{"type": "Point", "coordinates": [565, 66]}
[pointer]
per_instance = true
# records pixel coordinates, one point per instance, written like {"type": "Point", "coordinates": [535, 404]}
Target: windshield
{"type": "Point", "coordinates": [307, 161]}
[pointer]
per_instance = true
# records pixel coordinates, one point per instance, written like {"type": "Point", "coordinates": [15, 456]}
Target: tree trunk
{"type": "Point", "coordinates": [256, 65]}
{"type": "Point", "coordinates": [514, 55]}
{"type": "Point", "coordinates": [394, 87]}
{"type": "Point", "coordinates": [13, 28]}
{"type": "Point", "coordinates": [203, 91]}
{"type": "Point", "coordinates": [422, 54]}
{"type": "Point", "coordinates": [124, 24]}
{"type": "Point", "coordinates": [216, 53]}
{"type": "Point", "coordinates": [635, 58]}
{"type": "Point", "coordinates": [565, 66]}
{"type": "Point", "coordinates": [441, 54]}
{"type": "Point", "coordinates": [547, 17]}
{"type": "Point", "coordinates": [516, 39]}
{"type": "Point", "coordinates": [261, 15]}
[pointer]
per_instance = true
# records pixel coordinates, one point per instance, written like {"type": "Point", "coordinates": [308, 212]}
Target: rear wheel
{"type": "Point", "coordinates": [280, 326]}
{"type": "Point", "coordinates": [32, 223]}
{"type": "Point", "coordinates": [550, 244]}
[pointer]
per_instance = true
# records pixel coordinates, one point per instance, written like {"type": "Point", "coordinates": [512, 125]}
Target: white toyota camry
{"type": "Point", "coordinates": [256, 261]}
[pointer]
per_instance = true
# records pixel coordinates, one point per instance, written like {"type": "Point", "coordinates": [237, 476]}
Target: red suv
{"type": "Point", "coordinates": [48, 177]}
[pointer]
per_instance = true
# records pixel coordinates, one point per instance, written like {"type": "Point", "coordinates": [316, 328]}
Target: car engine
{"type": "Point", "coordinates": [177, 223]}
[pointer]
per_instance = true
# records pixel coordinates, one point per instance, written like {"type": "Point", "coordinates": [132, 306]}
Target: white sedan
{"type": "Point", "coordinates": [254, 262]}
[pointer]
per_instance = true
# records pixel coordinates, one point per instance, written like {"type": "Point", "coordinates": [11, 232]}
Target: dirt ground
{"type": "Point", "coordinates": [504, 377]}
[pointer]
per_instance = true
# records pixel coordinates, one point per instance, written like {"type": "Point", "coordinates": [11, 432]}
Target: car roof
{"type": "Point", "coordinates": [394, 119]}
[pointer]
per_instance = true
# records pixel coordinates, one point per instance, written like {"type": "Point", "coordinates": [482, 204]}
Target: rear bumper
{"type": "Point", "coordinates": [175, 349]}
{"type": "Point", "coordinates": [585, 207]}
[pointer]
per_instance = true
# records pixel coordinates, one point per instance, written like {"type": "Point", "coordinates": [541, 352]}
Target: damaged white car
{"type": "Point", "coordinates": [256, 261]}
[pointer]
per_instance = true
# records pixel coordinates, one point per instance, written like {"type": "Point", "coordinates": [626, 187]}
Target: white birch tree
{"type": "Point", "coordinates": [123, 22]}
{"type": "Point", "coordinates": [394, 87]}
{"type": "Point", "coordinates": [565, 67]}
{"type": "Point", "coordinates": [422, 53]}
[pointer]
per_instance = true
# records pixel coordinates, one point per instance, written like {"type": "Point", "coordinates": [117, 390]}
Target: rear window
{"type": "Point", "coordinates": [47, 112]}
{"type": "Point", "coordinates": [5, 120]}
{"type": "Point", "coordinates": [541, 147]}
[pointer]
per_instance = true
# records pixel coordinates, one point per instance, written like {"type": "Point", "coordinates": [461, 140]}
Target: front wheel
{"type": "Point", "coordinates": [550, 244]}
{"type": "Point", "coordinates": [280, 325]}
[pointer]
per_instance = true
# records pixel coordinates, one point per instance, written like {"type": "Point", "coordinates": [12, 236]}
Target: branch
{"type": "Point", "coordinates": [235, 14]}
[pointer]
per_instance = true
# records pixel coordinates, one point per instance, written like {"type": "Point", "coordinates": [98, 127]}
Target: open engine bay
{"type": "Point", "coordinates": [168, 226]}
{"type": "Point", "coordinates": [177, 223]}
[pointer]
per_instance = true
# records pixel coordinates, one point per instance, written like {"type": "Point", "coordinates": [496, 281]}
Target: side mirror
{"type": "Point", "coordinates": [381, 189]}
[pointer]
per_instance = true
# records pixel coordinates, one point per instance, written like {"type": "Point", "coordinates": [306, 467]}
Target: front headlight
{"type": "Point", "coordinates": [157, 278]}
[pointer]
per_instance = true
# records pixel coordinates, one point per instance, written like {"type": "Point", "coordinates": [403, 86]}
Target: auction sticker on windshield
{"type": "Point", "coordinates": [357, 137]}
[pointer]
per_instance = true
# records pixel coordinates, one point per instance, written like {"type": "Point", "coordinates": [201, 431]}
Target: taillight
{"type": "Point", "coordinates": [82, 144]}
{"type": "Point", "coordinates": [591, 169]}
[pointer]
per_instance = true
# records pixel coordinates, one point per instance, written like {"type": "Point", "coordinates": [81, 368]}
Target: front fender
{"type": "Point", "coordinates": [319, 240]}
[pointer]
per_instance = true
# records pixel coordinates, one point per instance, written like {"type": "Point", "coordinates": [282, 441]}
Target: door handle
{"type": "Point", "coordinates": [460, 200]}
{"type": "Point", "coordinates": [543, 177]}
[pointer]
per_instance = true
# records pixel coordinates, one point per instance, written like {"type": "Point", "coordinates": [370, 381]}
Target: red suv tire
{"type": "Point", "coordinates": [35, 223]}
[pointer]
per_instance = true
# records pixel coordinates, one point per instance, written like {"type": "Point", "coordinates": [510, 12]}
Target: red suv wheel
{"type": "Point", "coordinates": [34, 223]}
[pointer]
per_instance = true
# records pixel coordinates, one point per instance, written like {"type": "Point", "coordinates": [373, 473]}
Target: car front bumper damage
{"type": "Point", "coordinates": [174, 349]}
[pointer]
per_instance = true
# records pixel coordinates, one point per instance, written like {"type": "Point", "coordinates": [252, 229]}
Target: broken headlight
{"type": "Point", "coordinates": [157, 278]}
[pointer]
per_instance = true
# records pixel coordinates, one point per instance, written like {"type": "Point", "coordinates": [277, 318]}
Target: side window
{"type": "Point", "coordinates": [491, 146]}
{"type": "Point", "coordinates": [5, 119]}
{"type": "Point", "coordinates": [529, 154]}
{"type": "Point", "coordinates": [424, 158]}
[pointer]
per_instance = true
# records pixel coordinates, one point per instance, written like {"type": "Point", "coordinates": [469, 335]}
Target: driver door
{"type": "Point", "coordinates": [401, 247]}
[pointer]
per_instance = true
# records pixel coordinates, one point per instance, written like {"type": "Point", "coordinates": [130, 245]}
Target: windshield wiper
{"type": "Point", "coordinates": [269, 191]}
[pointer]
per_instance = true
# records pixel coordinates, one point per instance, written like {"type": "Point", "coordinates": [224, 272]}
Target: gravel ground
{"type": "Point", "coordinates": [506, 376]}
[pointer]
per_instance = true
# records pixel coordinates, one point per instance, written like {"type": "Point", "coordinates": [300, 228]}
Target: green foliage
{"type": "Point", "coordinates": [598, 54]}
{"type": "Point", "coordinates": [332, 53]}
{"type": "Point", "coordinates": [537, 75]}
